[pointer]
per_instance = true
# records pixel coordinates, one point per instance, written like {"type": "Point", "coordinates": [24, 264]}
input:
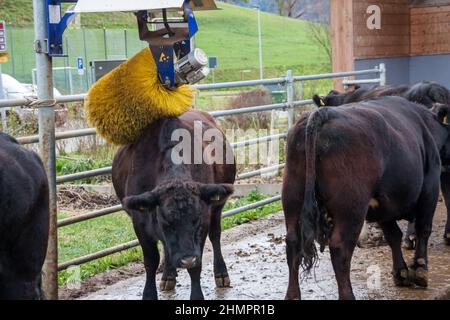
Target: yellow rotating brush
{"type": "Point", "coordinates": [123, 102]}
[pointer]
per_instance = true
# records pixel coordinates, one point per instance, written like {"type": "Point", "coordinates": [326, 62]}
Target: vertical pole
{"type": "Point", "coordinates": [2, 96]}
{"type": "Point", "coordinates": [125, 35]}
{"type": "Point", "coordinates": [70, 80]}
{"type": "Point", "coordinates": [11, 46]}
{"type": "Point", "coordinates": [290, 97]}
{"type": "Point", "coordinates": [105, 43]}
{"type": "Point", "coordinates": [47, 143]}
{"type": "Point", "coordinates": [33, 79]}
{"type": "Point", "coordinates": [261, 71]}
{"type": "Point", "coordinates": [67, 64]}
{"type": "Point", "coordinates": [85, 59]}
{"type": "Point", "coordinates": [382, 74]}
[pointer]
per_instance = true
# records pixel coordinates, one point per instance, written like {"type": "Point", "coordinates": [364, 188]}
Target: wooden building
{"type": "Point", "coordinates": [412, 37]}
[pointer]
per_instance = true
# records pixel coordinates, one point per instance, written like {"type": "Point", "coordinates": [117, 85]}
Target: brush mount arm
{"type": "Point", "coordinates": [169, 44]}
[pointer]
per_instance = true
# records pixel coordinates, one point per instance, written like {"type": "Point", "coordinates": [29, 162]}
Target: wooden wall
{"type": "Point", "coordinates": [341, 20]}
{"type": "Point", "coordinates": [430, 30]}
{"type": "Point", "coordinates": [408, 28]}
{"type": "Point", "coordinates": [392, 40]}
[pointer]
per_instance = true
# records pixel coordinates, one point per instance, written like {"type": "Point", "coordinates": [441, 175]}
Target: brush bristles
{"type": "Point", "coordinates": [122, 103]}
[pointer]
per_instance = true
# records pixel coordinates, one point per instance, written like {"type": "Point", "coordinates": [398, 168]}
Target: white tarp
{"type": "Point", "coordinates": [125, 5]}
{"type": "Point", "coordinates": [86, 6]}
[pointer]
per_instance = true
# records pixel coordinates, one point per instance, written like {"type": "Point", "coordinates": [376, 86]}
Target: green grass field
{"type": "Point", "coordinates": [230, 34]}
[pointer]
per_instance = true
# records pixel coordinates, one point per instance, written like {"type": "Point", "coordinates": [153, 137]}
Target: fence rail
{"type": "Point", "coordinates": [289, 105]}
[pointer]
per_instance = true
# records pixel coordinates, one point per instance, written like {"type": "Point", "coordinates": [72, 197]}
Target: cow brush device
{"type": "Point", "coordinates": [152, 84]}
{"type": "Point", "coordinates": [171, 46]}
{"type": "Point", "coordinates": [170, 39]}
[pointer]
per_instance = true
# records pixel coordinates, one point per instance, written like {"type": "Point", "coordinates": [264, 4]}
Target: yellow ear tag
{"type": "Point", "coordinates": [445, 120]}
{"type": "Point", "coordinates": [322, 104]}
{"type": "Point", "coordinates": [215, 197]}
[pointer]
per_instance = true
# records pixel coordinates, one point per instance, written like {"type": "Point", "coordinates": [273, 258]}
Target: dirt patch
{"type": "Point", "coordinates": [74, 198]}
{"type": "Point", "coordinates": [102, 281]}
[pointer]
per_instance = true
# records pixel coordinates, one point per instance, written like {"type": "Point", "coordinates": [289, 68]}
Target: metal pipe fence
{"type": "Point", "coordinates": [47, 138]}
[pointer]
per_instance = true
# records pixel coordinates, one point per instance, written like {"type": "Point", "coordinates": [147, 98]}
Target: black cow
{"type": "Point", "coordinates": [178, 204]}
{"type": "Point", "coordinates": [427, 93]}
{"type": "Point", "coordinates": [336, 98]}
{"type": "Point", "coordinates": [24, 221]}
{"type": "Point", "coordinates": [377, 160]}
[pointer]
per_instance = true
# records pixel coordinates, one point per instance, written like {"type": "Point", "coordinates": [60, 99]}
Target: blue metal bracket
{"type": "Point", "coordinates": [164, 56]}
{"type": "Point", "coordinates": [57, 24]}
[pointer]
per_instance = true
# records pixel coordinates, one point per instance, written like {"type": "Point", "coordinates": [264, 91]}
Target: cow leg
{"type": "Point", "coordinates": [195, 274]}
{"type": "Point", "coordinates": [342, 244]}
{"type": "Point", "coordinates": [291, 213]}
{"type": "Point", "coordinates": [220, 269]}
{"type": "Point", "coordinates": [410, 237]}
{"type": "Point", "coordinates": [196, 289]}
{"type": "Point", "coordinates": [445, 188]}
{"type": "Point", "coordinates": [151, 262]}
{"type": "Point", "coordinates": [393, 236]}
{"type": "Point", "coordinates": [169, 277]}
{"type": "Point", "coordinates": [424, 223]}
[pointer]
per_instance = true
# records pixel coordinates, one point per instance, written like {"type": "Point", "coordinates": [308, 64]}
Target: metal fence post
{"type": "Point", "coordinates": [382, 74]}
{"type": "Point", "coordinates": [3, 110]}
{"type": "Point", "coordinates": [290, 97]}
{"type": "Point", "coordinates": [125, 36]}
{"type": "Point", "coordinates": [105, 43]}
{"type": "Point", "coordinates": [47, 143]}
{"type": "Point", "coordinates": [11, 42]}
{"type": "Point", "coordinates": [85, 59]}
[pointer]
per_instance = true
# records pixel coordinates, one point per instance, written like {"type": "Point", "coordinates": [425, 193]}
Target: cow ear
{"type": "Point", "coordinates": [442, 112]}
{"type": "Point", "coordinates": [142, 202]}
{"type": "Point", "coordinates": [319, 101]}
{"type": "Point", "coordinates": [216, 193]}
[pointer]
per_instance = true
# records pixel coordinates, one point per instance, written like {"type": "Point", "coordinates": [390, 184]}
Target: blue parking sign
{"type": "Point", "coordinates": [80, 66]}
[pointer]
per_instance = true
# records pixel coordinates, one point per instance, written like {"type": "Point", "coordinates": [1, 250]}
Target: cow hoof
{"type": "Point", "coordinates": [410, 242]}
{"type": "Point", "coordinates": [222, 281]}
{"type": "Point", "coordinates": [401, 278]}
{"type": "Point", "coordinates": [292, 296]}
{"type": "Point", "coordinates": [420, 277]}
{"type": "Point", "coordinates": [167, 284]}
{"type": "Point", "coordinates": [447, 238]}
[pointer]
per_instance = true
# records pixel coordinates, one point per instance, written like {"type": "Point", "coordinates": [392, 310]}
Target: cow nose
{"type": "Point", "coordinates": [188, 262]}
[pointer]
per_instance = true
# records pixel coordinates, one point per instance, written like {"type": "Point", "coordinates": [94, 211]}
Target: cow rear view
{"type": "Point", "coordinates": [24, 221]}
{"type": "Point", "coordinates": [377, 161]}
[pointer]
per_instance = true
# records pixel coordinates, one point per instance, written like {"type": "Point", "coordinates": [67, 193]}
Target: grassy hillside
{"type": "Point", "coordinates": [230, 34]}
{"type": "Point", "coordinates": [20, 13]}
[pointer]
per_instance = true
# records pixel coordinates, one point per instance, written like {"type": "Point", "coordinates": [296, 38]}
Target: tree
{"type": "Point", "coordinates": [290, 8]}
{"type": "Point", "coordinates": [320, 32]}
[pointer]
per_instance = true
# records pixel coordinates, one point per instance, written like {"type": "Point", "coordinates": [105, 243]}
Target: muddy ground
{"type": "Point", "coordinates": [257, 265]}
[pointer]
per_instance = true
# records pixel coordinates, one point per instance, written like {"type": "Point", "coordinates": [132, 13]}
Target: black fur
{"type": "Point", "coordinates": [24, 220]}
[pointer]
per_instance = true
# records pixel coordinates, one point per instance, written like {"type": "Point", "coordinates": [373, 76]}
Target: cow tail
{"type": "Point", "coordinates": [310, 218]}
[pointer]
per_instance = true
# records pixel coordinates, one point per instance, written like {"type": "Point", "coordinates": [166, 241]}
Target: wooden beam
{"type": "Point", "coordinates": [341, 19]}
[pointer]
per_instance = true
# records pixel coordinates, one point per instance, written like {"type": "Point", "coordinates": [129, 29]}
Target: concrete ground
{"type": "Point", "coordinates": [255, 255]}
